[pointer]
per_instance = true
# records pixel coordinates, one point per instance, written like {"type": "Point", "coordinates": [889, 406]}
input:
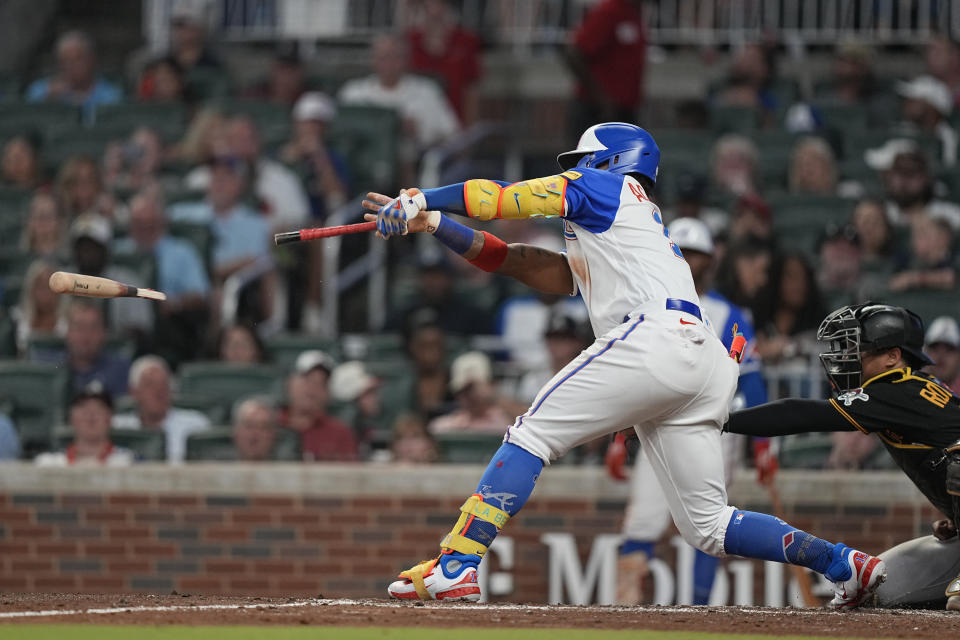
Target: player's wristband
{"type": "Point", "coordinates": [492, 255]}
{"type": "Point", "coordinates": [454, 235]}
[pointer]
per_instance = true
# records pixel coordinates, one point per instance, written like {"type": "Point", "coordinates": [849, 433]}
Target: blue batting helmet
{"type": "Point", "coordinates": [627, 147]}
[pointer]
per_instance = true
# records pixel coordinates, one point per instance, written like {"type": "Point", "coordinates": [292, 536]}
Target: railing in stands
{"type": "Point", "coordinates": [523, 25]}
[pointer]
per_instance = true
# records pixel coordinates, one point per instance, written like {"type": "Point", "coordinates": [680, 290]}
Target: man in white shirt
{"type": "Point", "coordinates": [427, 116]}
{"type": "Point", "coordinates": [151, 390]}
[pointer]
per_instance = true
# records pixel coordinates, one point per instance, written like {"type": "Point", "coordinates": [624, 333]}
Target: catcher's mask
{"type": "Point", "coordinates": [857, 329]}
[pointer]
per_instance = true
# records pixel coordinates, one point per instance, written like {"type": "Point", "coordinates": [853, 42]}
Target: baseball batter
{"type": "Point", "coordinates": [872, 360]}
{"type": "Point", "coordinates": [654, 364]}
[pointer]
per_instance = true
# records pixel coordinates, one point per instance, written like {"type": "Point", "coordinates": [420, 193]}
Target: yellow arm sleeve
{"type": "Point", "coordinates": [537, 198]}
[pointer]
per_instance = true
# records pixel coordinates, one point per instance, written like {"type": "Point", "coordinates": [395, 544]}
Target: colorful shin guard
{"type": "Point", "coordinates": [455, 542]}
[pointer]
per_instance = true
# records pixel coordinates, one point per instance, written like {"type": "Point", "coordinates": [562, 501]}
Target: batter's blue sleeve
{"type": "Point", "coordinates": [593, 199]}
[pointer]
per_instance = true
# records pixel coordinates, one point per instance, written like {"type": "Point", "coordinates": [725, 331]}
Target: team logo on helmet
{"type": "Point", "coordinates": [854, 394]}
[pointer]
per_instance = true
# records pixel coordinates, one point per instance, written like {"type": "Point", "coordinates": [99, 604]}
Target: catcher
{"type": "Point", "coordinates": [872, 360]}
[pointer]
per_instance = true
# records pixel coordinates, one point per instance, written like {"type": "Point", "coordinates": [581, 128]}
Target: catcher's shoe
{"type": "Point", "coordinates": [953, 595]}
{"type": "Point", "coordinates": [866, 574]}
{"type": "Point", "coordinates": [451, 576]}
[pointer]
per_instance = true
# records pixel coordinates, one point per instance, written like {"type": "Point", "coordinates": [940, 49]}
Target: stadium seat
{"type": "Point", "coordinates": [37, 395]}
{"type": "Point", "coordinates": [13, 261]}
{"type": "Point", "coordinates": [805, 451]}
{"type": "Point", "coordinates": [168, 119]}
{"type": "Point", "coordinates": [733, 119]}
{"type": "Point", "coordinates": [226, 383]}
{"type": "Point", "coordinates": [45, 117]}
{"type": "Point", "coordinates": [273, 119]}
{"type": "Point", "coordinates": [467, 448]}
{"type": "Point", "coordinates": [148, 444]}
{"type": "Point", "coordinates": [217, 445]}
{"type": "Point", "coordinates": [799, 221]}
{"type": "Point", "coordinates": [284, 348]}
{"type": "Point", "coordinates": [53, 343]}
{"type": "Point", "coordinates": [367, 138]}
{"type": "Point", "coordinates": [207, 84]}
{"type": "Point", "coordinates": [61, 145]}
{"type": "Point", "coordinates": [927, 303]}
{"type": "Point", "coordinates": [217, 411]}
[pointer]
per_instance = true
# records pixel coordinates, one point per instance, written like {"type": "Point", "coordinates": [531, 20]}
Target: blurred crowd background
{"type": "Point", "coordinates": [161, 143]}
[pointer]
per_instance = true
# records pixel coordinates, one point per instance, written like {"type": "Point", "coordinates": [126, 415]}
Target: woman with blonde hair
{"type": "Point", "coordinates": [80, 188]}
{"type": "Point", "coordinates": [39, 311]}
{"type": "Point", "coordinates": [44, 234]}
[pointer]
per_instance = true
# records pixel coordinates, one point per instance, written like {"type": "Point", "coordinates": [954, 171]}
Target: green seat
{"type": "Point", "coordinates": [805, 451]}
{"type": "Point", "coordinates": [841, 116]}
{"type": "Point", "coordinates": [284, 348]}
{"type": "Point", "coordinates": [167, 119]}
{"type": "Point", "coordinates": [217, 445]}
{"type": "Point", "coordinates": [45, 117]}
{"type": "Point", "coordinates": [14, 262]}
{"type": "Point", "coordinates": [727, 119]}
{"type": "Point", "coordinates": [367, 138]}
{"type": "Point", "coordinates": [8, 338]}
{"type": "Point", "coordinates": [49, 343]}
{"type": "Point", "coordinates": [468, 448]}
{"type": "Point", "coordinates": [60, 146]}
{"type": "Point", "coordinates": [273, 119]}
{"type": "Point", "coordinates": [799, 221]}
{"type": "Point", "coordinates": [226, 383]}
{"type": "Point", "coordinates": [37, 395]}
{"type": "Point", "coordinates": [217, 411]}
{"type": "Point", "coordinates": [147, 444]}
{"type": "Point", "coordinates": [206, 84]}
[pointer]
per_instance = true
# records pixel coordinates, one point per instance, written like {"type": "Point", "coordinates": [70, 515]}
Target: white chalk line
{"type": "Point", "coordinates": [767, 611]}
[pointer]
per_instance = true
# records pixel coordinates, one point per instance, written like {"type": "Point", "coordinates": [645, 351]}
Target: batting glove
{"type": "Point", "coordinates": [616, 458]}
{"type": "Point", "coordinates": [392, 217]}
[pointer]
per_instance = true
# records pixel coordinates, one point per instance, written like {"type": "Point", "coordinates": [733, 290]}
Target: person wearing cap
{"type": "Point", "coordinates": [942, 56]}
{"type": "Point", "coordinates": [323, 438]}
{"type": "Point", "coordinates": [188, 36]}
{"type": "Point", "coordinates": [151, 389]}
{"type": "Point", "coordinates": [352, 385]}
{"type": "Point", "coordinates": [908, 183]}
{"type": "Point", "coordinates": [647, 513]}
{"type": "Point", "coordinates": [942, 344]}
{"type": "Point", "coordinates": [927, 106]}
{"type": "Point", "coordinates": [930, 261]}
{"type": "Point", "coordinates": [76, 80]}
{"type": "Point", "coordinates": [91, 410]}
{"type": "Point", "coordinates": [479, 408]}
{"type": "Point", "coordinates": [91, 237]}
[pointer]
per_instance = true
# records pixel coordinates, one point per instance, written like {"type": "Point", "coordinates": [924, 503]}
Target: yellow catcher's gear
{"type": "Point", "coordinates": [540, 197]}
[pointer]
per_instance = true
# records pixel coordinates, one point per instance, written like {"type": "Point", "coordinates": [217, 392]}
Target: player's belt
{"type": "Point", "coordinates": [676, 304]}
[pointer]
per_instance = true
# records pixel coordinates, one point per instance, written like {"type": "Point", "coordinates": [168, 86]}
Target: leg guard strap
{"type": "Point", "coordinates": [474, 507]}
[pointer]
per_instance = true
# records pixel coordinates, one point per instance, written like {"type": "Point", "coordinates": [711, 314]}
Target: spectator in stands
{"type": "Point", "coordinates": [853, 82]}
{"type": "Point", "coordinates": [748, 83]}
{"type": "Point", "coordinates": [693, 114]}
{"type": "Point", "coordinates": [733, 165]}
{"type": "Point", "coordinates": [91, 237]}
{"type": "Point", "coordinates": [9, 440]}
{"type": "Point", "coordinates": [608, 59]}
{"type": "Point", "coordinates": [324, 170]}
{"type": "Point", "coordinates": [135, 163]}
{"type": "Point", "coordinates": [930, 263]}
{"type": "Point", "coordinates": [427, 118]}
{"type": "Point", "coordinates": [240, 344]}
{"type": "Point", "coordinates": [838, 270]}
{"type": "Point", "coordinates": [456, 313]}
{"type": "Point", "coordinates": [86, 356]}
{"type": "Point", "coordinates": [412, 443]}
{"type": "Point", "coordinates": [76, 81]}
{"type": "Point", "coordinates": [91, 411]}
{"type": "Point", "coordinates": [151, 389]}
{"type": "Point", "coordinates": [851, 450]}
{"type": "Point", "coordinates": [942, 344]}
{"type": "Point", "coordinates": [565, 337]}
{"type": "Point", "coordinates": [188, 37]}
{"type": "Point", "coordinates": [751, 216]}
{"type": "Point", "coordinates": [179, 271]}
{"type": "Point", "coordinates": [197, 145]}
{"type": "Point", "coordinates": [943, 63]}
{"type": "Point", "coordinates": [813, 168]}
{"type": "Point", "coordinates": [45, 232]}
{"type": "Point", "coordinates": [908, 184]}
{"type": "Point", "coordinates": [744, 273]}
{"type": "Point", "coordinates": [479, 408]}
{"type": "Point", "coordinates": [690, 202]}
{"type": "Point", "coordinates": [426, 387]}
{"type": "Point", "coordinates": [874, 233]}
{"type": "Point", "coordinates": [39, 312]}
{"type": "Point", "coordinates": [322, 437]}
{"type": "Point", "coordinates": [441, 47]}
{"type": "Point", "coordinates": [787, 325]}
{"type": "Point", "coordinates": [20, 163]}
{"type": "Point", "coordinates": [285, 83]}
{"type": "Point", "coordinates": [352, 385]}
{"type": "Point", "coordinates": [163, 80]}
{"type": "Point", "coordinates": [926, 109]}
{"type": "Point", "coordinates": [254, 430]}
{"type": "Point", "coordinates": [80, 189]}
{"type": "Point", "coordinates": [282, 199]}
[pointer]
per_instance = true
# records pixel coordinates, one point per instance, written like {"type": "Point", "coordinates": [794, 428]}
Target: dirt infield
{"type": "Point", "coordinates": [210, 610]}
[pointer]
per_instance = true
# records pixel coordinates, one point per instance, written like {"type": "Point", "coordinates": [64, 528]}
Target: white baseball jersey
{"type": "Point", "coordinates": [619, 252]}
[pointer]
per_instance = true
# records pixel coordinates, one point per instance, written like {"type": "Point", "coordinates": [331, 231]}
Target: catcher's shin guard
{"type": "Point", "coordinates": [447, 577]}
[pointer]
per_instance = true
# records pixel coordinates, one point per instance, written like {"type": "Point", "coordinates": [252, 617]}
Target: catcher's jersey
{"type": "Point", "coordinates": [916, 417]}
{"type": "Point", "coordinates": [619, 251]}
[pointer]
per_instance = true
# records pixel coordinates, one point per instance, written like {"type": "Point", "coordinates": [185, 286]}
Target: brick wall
{"type": "Point", "coordinates": [64, 536]}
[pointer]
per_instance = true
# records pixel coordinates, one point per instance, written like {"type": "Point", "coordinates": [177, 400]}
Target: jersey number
{"type": "Point", "coordinates": [935, 394]}
{"type": "Point", "coordinates": [673, 245]}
